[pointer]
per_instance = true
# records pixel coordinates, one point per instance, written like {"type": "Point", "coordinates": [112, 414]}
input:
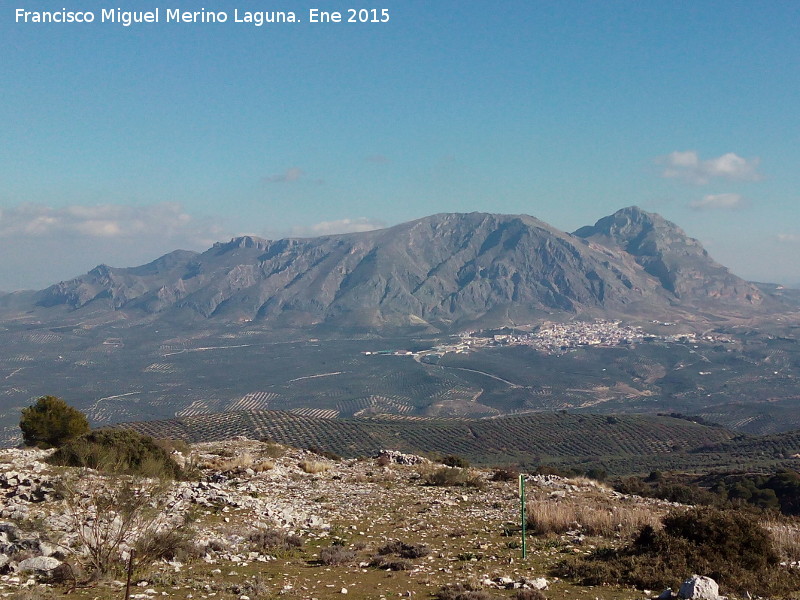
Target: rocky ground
{"type": "Point", "coordinates": [332, 519]}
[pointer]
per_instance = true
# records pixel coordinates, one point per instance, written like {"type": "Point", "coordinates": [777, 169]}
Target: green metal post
{"type": "Point", "coordinates": [523, 516]}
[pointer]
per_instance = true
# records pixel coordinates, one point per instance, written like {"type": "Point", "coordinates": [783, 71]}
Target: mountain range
{"type": "Point", "coordinates": [443, 272]}
{"type": "Point", "coordinates": [361, 324]}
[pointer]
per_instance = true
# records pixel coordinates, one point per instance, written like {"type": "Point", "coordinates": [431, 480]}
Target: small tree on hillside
{"type": "Point", "coordinates": [51, 422]}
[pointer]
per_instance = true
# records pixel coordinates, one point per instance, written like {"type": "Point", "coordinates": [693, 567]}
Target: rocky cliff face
{"type": "Point", "coordinates": [680, 263]}
{"type": "Point", "coordinates": [440, 271]}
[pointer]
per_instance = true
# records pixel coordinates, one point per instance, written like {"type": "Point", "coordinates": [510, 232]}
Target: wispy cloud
{"type": "Point", "coordinates": [290, 175]}
{"type": "Point", "coordinates": [788, 238]}
{"type": "Point", "coordinates": [104, 221]}
{"type": "Point", "coordinates": [718, 202]}
{"type": "Point", "coordinates": [339, 226]}
{"type": "Point", "coordinates": [687, 166]}
{"type": "Point", "coordinates": [41, 244]}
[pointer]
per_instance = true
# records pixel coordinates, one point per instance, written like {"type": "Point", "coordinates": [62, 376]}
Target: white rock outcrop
{"type": "Point", "coordinates": [699, 587]}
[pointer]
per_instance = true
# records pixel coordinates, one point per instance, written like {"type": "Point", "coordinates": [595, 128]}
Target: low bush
{"type": "Point", "coordinates": [336, 555]}
{"type": "Point", "coordinates": [728, 546]}
{"type": "Point", "coordinates": [118, 451]}
{"type": "Point", "coordinates": [389, 563]}
{"type": "Point", "coordinates": [505, 474]}
{"type": "Point", "coordinates": [272, 449]}
{"type": "Point", "coordinates": [453, 460]}
{"type": "Point", "coordinates": [173, 544]}
{"type": "Point", "coordinates": [174, 445]}
{"type": "Point", "coordinates": [453, 476]}
{"type": "Point", "coordinates": [272, 540]}
{"type": "Point", "coordinates": [404, 550]}
{"type": "Point", "coordinates": [529, 595]}
{"type": "Point", "coordinates": [461, 591]}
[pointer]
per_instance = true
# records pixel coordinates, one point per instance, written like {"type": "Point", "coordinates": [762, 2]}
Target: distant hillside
{"type": "Point", "coordinates": [620, 444]}
{"type": "Point", "coordinates": [781, 445]}
{"type": "Point", "coordinates": [786, 295]}
{"type": "Point", "coordinates": [438, 273]}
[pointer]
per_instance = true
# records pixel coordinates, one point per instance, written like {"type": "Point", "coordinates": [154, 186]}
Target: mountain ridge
{"type": "Point", "coordinates": [440, 272]}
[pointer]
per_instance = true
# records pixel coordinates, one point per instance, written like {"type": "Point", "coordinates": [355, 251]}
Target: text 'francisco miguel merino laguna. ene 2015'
{"type": "Point", "coordinates": [156, 15]}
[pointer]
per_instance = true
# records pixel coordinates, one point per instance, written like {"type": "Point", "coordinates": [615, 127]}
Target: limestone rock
{"type": "Point", "coordinates": [39, 564]}
{"type": "Point", "coordinates": [699, 587]}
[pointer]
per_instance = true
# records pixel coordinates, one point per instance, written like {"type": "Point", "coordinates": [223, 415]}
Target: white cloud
{"type": "Point", "coordinates": [41, 245]}
{"type": "Point", "coordinates": [340, 226]}
{"type": "Point", "coordinates": [688, 167]}
{"type": "Point", "coordinates": [104, 221]}
{"type": "Point", "coordinates": [788, 238]}
{"type": "Point", "coordinates": [718, 201]}
{"type": "Point", "coordinates": [291, 175]}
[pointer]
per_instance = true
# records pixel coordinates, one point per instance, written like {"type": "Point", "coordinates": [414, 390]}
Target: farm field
{"type": "Point", "coordinates": [116, 374]}
{"type": "Point", "coordinates": [619, 445]}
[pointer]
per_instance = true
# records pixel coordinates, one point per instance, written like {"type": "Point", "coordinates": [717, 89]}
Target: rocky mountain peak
{"type": "Point", "coordinates": [637, 232]}
{"type": "Point", "coordinates": [679, 262]}
{"type": "Point", "coordinates": [245, 241]}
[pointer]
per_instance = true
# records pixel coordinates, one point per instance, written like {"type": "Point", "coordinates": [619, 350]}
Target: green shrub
{"type": "Point", "coordinates": [453, 460]}
{"type": "Point", "coordinates": [597, 473]}
{"type": "Point", "coordinates": [730, 537]}
{"type": "Point", "coordinates": [51, 422]}
{"type": "Point", "coordinates": [728, 546]}
{"type": "Point", "coordinates": [453, 476]}
{"type": "Point", "coordinates": [505, 474]}
{"type": "Point", "coordinates": [174, 445]}
{"type": "Point", "coordinates": [120, 451]}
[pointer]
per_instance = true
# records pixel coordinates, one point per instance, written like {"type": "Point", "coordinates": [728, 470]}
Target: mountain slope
{"type": "Point", "coordinates": [680, 263]}
{"type": "Point", "coordinates": [440, 271]}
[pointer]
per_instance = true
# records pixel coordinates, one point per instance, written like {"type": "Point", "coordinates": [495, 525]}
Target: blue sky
{"type": "Point", "coordinates": [118, 144]}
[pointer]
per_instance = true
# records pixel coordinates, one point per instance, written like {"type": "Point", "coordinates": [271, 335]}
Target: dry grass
{"type": "Point", "coordinates": [786, 539]}
{"type": "Point", "coordinates": [453, 476]}
{"type": "Point", "coordinates": [600, 519]}
{"type": "Point", "coordinates": [273, 450]}
{"type": "Point", "coordinates": [236, 463]}
{"type": "Point", "coordinates": [588, 482]}
{"type": "Point", "coordinates": [314, 466]}
{"type": "Point", "coordinates": [264, 465]}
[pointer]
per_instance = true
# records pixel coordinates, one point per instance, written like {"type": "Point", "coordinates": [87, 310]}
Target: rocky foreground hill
{"type": "Point", "coordinates": [441, 272]}
{"type": "Point", "coordinates": [269, 521]}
